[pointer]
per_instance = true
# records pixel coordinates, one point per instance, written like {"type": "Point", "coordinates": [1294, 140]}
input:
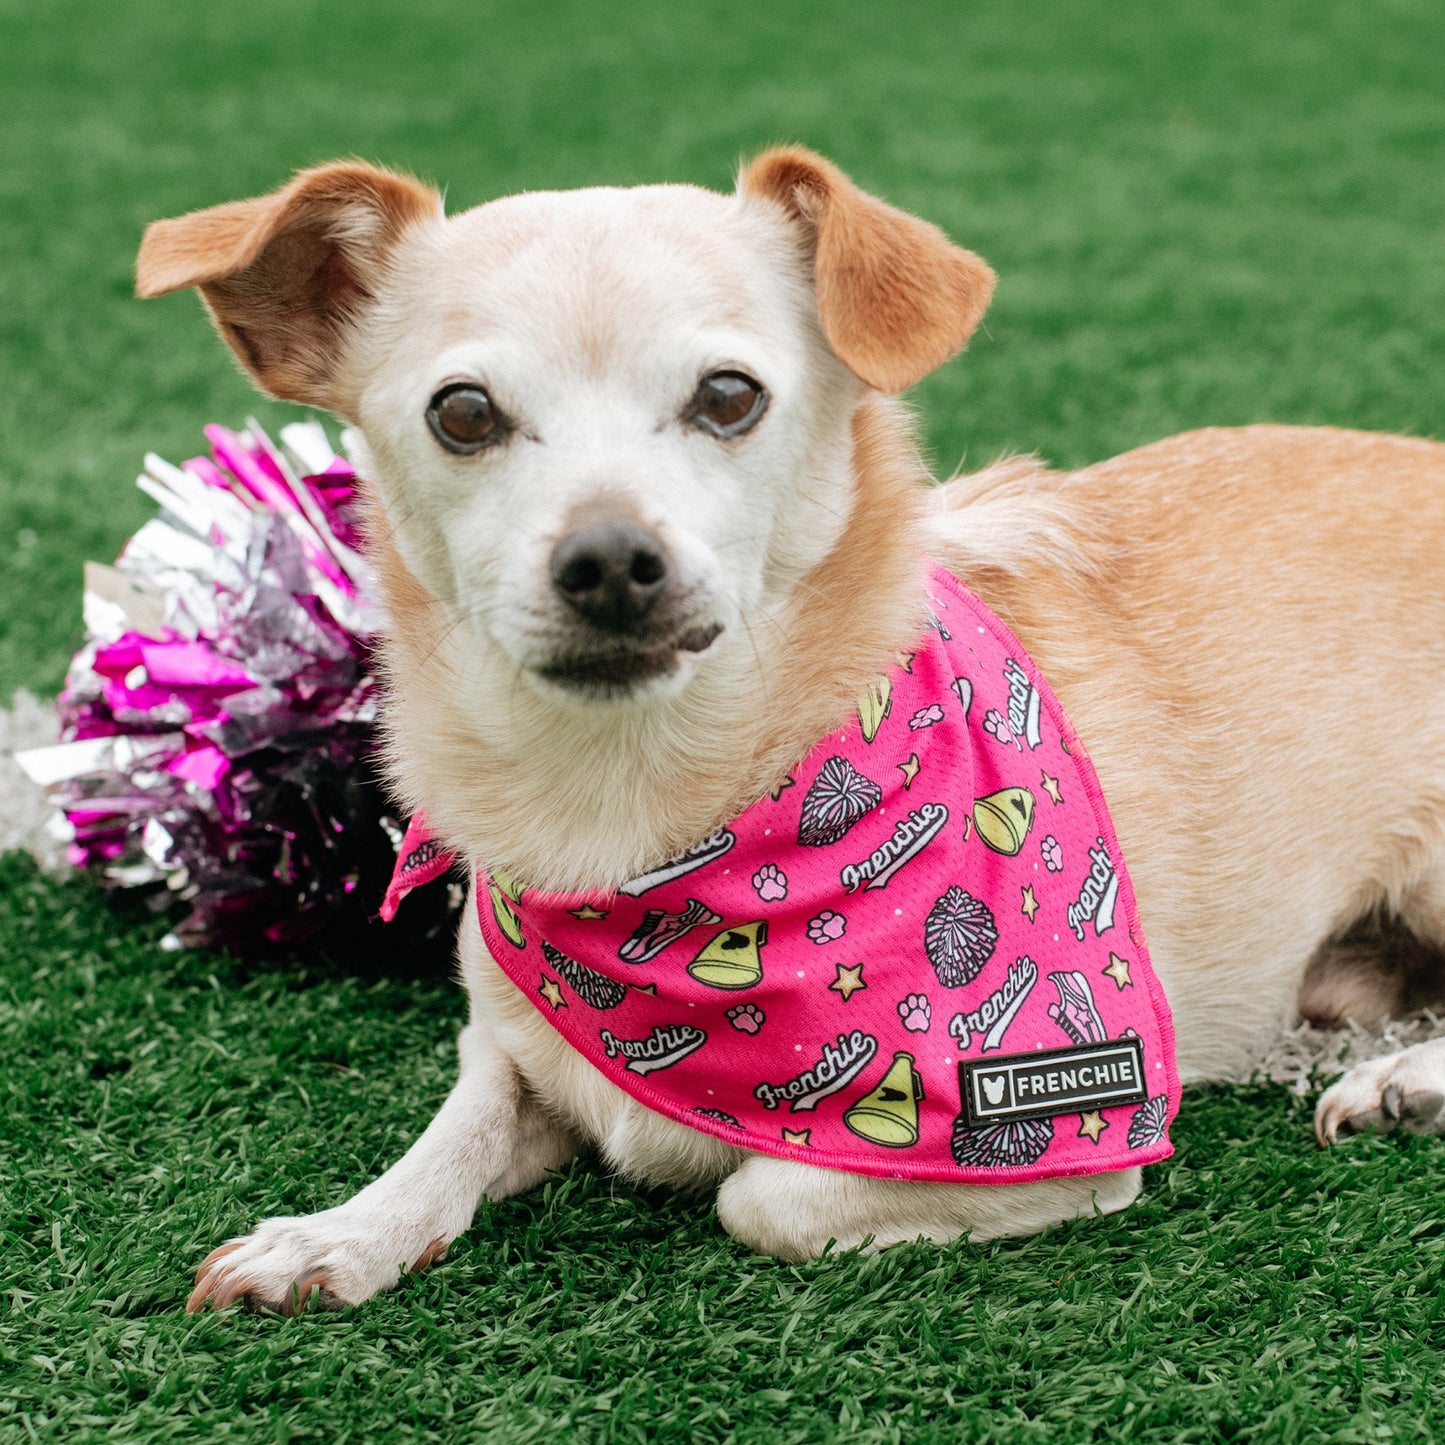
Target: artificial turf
{"type": "Point", "coordinates": [1203, 213]}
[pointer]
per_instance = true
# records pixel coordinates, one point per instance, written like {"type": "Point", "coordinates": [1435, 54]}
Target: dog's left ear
{"type": "Point", "coordinates": [897, 298]}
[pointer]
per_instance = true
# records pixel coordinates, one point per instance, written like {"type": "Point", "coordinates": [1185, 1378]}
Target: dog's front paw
{"type": "Point", "coordinates": [326, 1260]}
{"type": "Point", "coordinates": [1401, 1091]}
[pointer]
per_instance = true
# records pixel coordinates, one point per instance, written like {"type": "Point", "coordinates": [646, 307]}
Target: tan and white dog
{"type": "Point", "coordinates": [631, 451]}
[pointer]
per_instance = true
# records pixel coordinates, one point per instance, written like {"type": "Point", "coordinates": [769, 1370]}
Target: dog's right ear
{"type": "Point", "coordinates": [285, 275]}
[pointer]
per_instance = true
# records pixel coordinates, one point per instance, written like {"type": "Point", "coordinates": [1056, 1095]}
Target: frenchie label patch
{"type": "Point", "coordinates": [1053, 1081]}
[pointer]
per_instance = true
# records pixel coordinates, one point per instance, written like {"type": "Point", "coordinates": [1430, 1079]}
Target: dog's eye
{"type": "Point", "coordinates": [462, 418]}
{"type": "Point", "coordinates": [727, 404]}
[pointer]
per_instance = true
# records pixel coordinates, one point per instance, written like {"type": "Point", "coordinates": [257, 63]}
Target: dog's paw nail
{"type": "Point", "coordinates": [310, 1294]}
{"type": "Point", "coordinates": [213, 1285]}
{"type": "Point", "coordinates": [435, 1251]}
{"type": "Point", "coordinates": [1390, 1101]}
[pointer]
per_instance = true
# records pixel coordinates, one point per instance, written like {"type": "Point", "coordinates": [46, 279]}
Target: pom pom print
{"type": "Point", "coordinates": [839, 797]}
{"type": "Point", "coordinates": [959, 935]}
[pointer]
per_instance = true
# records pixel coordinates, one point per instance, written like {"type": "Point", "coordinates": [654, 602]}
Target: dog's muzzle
{"type": "Point", "coordinates": [620, 588]}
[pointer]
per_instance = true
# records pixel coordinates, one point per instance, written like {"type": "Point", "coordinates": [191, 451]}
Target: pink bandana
{"type": "Point", "coordinates": [918, 958]}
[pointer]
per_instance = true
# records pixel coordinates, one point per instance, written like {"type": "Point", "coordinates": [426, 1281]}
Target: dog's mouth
{"type": "Point", "coordinates": [620, 668]}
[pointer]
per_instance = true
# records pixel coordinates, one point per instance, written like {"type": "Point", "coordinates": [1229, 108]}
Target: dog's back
{"type": "Point", "coordinates": [1248, 627]}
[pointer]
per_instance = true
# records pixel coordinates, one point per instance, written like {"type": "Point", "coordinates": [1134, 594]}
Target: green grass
{"type": "Point", "coordinates": [1259, 1291]}
{"type": "Point", "coordinates": [1203, 213]}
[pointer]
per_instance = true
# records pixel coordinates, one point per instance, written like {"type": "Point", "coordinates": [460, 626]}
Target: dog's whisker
{"type": "Point", "coordinates": [468, 615]}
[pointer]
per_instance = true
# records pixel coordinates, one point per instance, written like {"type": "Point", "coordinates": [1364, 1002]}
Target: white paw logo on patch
{"type": "Point", "coordinates": [993, 1088]}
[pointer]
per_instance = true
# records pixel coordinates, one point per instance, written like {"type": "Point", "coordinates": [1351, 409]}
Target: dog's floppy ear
{"type": "Point", "coordinates": [897, 298]}
{"type": "Point", "coordinates": [285, 274]}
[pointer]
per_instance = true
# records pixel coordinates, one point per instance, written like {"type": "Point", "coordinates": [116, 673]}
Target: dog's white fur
{"type": "Point", "coordinates": [1247, 628]}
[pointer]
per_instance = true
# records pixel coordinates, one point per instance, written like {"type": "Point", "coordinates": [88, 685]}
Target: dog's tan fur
{"type": "Point", "coordinates": [1247, 628]}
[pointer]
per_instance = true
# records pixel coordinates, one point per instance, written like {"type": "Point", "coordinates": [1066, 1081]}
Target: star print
{"type": "Point", "coordinates": [587, 912]}
{"type": "Point", "coordinates": [849, 980]}
{"type": "Point", "coordinates": [1118, 970]}
{"type": "Point", "coordinates": [1051, 787]}
{"type": "Point", "coordinates": [910, 770]}
{"type": "Point", "coordinates": [776, 793]}
{"type": "Point", "coordinates": [905, 661]}
{"type": "Point", "coordinates": [1030, 904]}
{"type": "Point", "coordinates": [1064, 743]}
{"type": "Point", "coordinates": [645, 988]}
{"type": "Point", "coordinates": [550, 991]}
{"type": "Point", "coordinates": [800, 1137]}
{"type": "Point", "coordinates": [1091, 1125]}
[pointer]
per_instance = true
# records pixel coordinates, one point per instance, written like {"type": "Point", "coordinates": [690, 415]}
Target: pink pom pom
{"type": "Point", "coordinates": [219, 722]}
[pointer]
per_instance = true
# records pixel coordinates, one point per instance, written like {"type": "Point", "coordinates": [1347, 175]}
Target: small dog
{"type": "Point", "coordinates": [646, 520]}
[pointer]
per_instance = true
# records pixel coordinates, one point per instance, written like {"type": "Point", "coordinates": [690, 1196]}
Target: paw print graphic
{"type": "Point", "coordinates": [827, 927]}
{"type": "Point", "coordinates": [746, 1018]}
{"type": "Point", "coordinates": [925, 717]}
{"type": "Point", "coordinates": [916, 1013]}
{"type": "Point", "coordinates": [770, 883]}
{"type": "Point", "coordinates": [993, 722]}
{"type": "Point", "coordinates": [1053, 853]}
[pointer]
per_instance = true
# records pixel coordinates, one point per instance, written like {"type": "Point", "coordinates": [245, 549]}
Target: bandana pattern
{"type": "Point", "coordinates": [936, 885]}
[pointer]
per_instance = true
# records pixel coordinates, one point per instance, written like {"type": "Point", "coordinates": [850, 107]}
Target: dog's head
{"type": "Point", "coordinates": [610, 429]}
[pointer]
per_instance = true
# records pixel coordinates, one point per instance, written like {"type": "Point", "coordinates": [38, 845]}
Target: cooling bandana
{"type": "Point", "coordinates": [917, 958]}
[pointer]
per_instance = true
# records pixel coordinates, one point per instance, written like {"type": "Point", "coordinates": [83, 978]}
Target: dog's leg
{"type": "Point", "coordinates": [794, 1210]}
{"type": "Point", "coordinates": [489, 1138]}
{"type": "Point", "coordinates": [1405, 1090]}
{"type": "Point", "coordinates": [1362, 977]}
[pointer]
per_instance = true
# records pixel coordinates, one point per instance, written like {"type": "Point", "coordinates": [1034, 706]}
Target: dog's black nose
{"type": "Point", "coordinates": [610, 571]}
